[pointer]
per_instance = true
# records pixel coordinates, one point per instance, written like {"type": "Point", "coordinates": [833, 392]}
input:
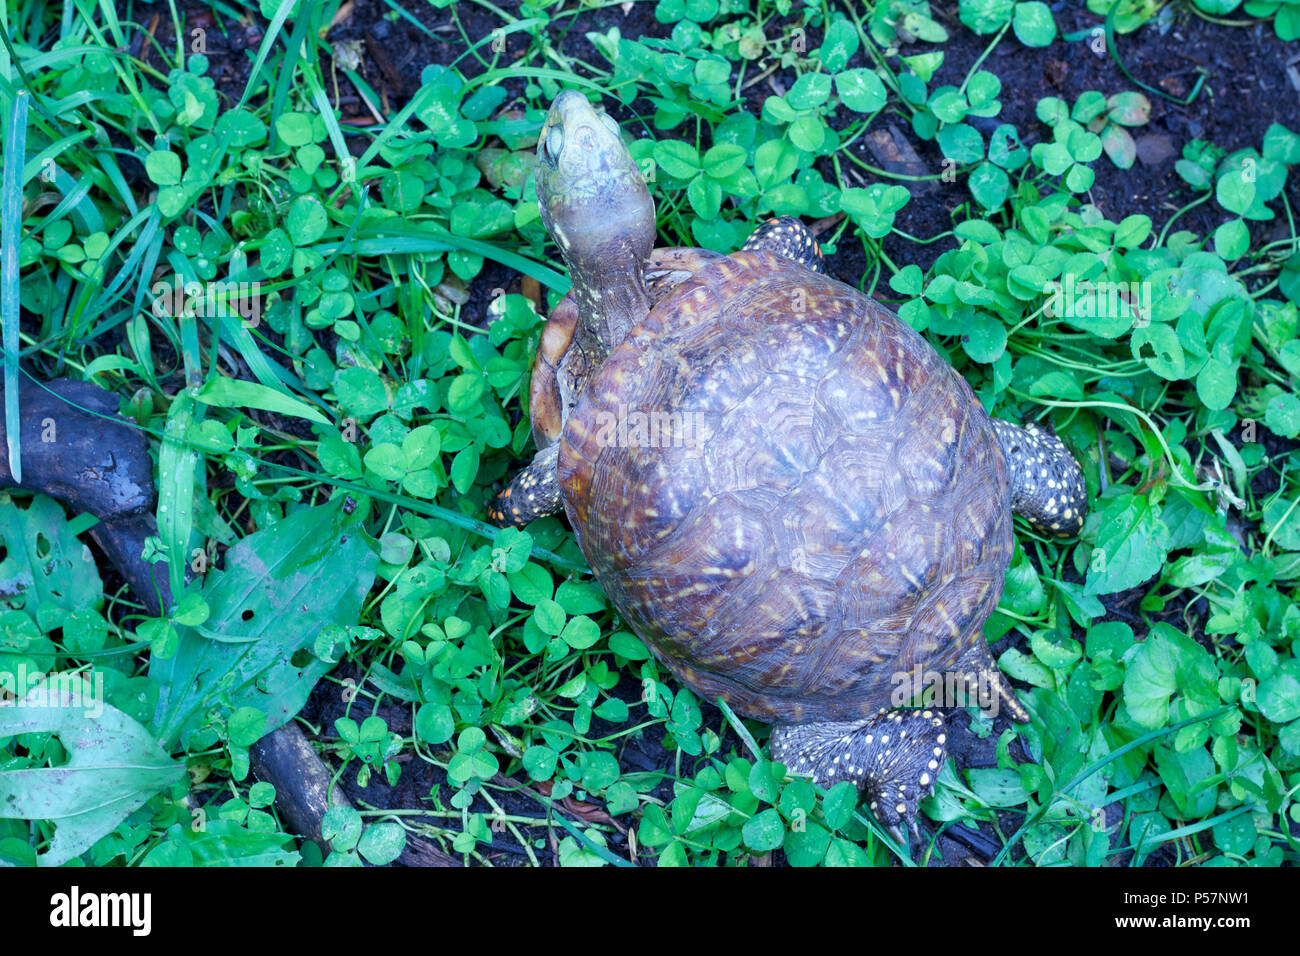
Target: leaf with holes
{"type": "Point", "coordinates": [281, 586]}
{"type": "Point", "coordinates": [44, 561]}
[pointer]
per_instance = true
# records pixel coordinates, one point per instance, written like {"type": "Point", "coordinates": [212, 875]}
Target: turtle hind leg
{"type": "Point", "coordinates": [893, 758]}
{"type": "Point", "coordinates": [1047, 486]}
{"type": "Point", "coordinates": [787, 236]}
{"type": "Point", "coordinates": [535, 492]}
{"type": "Point", "coordinates": [979, 682]}
{"type": "Point", "coordinates": [989, 676]}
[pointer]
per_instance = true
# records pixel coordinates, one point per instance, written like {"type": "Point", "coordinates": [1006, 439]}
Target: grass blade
{"type": "Point", "coordinates": [11, 230]}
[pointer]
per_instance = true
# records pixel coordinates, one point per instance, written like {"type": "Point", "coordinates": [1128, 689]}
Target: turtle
{"type": "Point", "coordinates": [825, 512]}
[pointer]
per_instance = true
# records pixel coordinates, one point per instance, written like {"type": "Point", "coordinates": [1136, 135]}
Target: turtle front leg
{"type": "Point", "coordinates": [535, 492]}
{"type": "Point", "coordinates": [789, 237]}
{"type": "Point", "coordinates": [1047, 486]}
{"type": "Point", "coordinates": [893, 758]}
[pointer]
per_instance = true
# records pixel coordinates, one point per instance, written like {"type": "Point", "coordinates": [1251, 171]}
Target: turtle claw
{"type": "Point", "coordinates": [909, 839]}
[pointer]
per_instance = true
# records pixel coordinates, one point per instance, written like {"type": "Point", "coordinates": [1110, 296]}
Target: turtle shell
{"type": "Point", "coordinates": [545, 400]}
{"type": "Point", "coordinates": [666, 268]}
{"type": "Point", "coordinates": [791, 497]}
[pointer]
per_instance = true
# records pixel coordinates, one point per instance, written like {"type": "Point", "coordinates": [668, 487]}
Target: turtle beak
{"type": "Point", "coordinates": [571, 110]}
{"type": "Point", "coordinates": [591, 193]}
{"type": "Point", "coordinates": [581, 142]}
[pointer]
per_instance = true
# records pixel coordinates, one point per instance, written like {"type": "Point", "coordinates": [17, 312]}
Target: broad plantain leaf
{"type": "Point", "coordinates": [222, 843]}
{"type": "Point", "coordinates": [281, 586]}
{"type": "Point", "coordinates": [43, 560]}
{"type": "Point", "coordinates": [114, 765]}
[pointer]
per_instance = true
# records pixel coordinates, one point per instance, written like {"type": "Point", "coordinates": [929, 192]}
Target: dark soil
{"type": "Point", "coordinates": [1246, 89]}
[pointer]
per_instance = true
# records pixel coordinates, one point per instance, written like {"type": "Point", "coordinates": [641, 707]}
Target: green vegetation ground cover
{"type": "Point", "coordinates": [367, 400]}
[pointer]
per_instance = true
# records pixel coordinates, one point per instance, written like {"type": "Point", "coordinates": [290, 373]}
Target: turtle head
{"type": "Point", "coordinates": [595, 205]}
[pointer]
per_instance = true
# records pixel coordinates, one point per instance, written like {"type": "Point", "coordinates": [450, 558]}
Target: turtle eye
{"type": "Point", "coordinates": [610, 123]}
{"type": "Point", "coordinates": [553, 143]}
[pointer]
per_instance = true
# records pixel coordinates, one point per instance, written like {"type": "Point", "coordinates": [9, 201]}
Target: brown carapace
{"type": "Point", "coordinates": [798, 505]}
